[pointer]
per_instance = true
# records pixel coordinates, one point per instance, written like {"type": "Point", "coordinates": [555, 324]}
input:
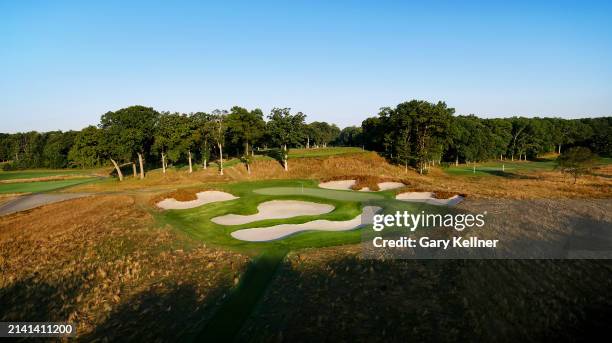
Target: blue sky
{"type": "Point", "coordinates": [63, 64]}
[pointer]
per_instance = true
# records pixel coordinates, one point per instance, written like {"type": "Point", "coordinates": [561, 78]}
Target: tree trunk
{"type": "Point", "coordinates": [307, 142]}
{"type": "Point", "coordinates": [246, 155]}
{"type": "Point", "coordinates": [220, 158]}
{"type": "Point", "coordinates": [190, 167]}
{"type": "Point", "coordinates": [134, 169]}
{"type": "Point", "coordinates": [406, 166]}
{"type": "Point", "coordinates": [163, 163]}
{"type": "Point", "coordinates": [205, 164]}
{"type": "Point", "coordinates": [457, 161]}
{"type": "Point", "coordinates": [285, 157]}
{"type": "Point", "coordinates": [559, 149]}
{"type": "Point", "coordinates": [141, 166]}
{"type": "Point", "coordinates": [119, 173]}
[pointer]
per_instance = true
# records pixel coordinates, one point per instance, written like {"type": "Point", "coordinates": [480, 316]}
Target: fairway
{"type": "Point", "coordinates": [321, 152]}
{"type": "Point", "coordinates": [500, 168]}
{"type": "Point", "coordinates": [41, 186]}
{"type": "Point", "coordinates": [31, 174]}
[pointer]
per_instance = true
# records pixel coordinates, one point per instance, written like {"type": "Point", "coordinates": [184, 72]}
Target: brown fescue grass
{"type": "Point", "coordinates": [368, 169]}
{"type": "Point", "coordinates": [101, 262]}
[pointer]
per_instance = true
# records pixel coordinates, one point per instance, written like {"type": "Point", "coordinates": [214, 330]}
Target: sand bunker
{"type": "Point", "coordinates": [276, 209]}
{"type": "Point", "coordinates": [203, 198]}
{"type": "Point", "coordinates": [338, 185]}
{"type": "Point", "coordinates": [384, 186]}
{"type": "Point", "coordinates": [283, 230]}
{"type": "Point", "coordinates": [427, 197]}
{"type": "Point", "coordinates": [347, 184]}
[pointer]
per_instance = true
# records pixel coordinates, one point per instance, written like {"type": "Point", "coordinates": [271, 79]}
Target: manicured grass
{"type": "Point", "coordinates": [41, 186]}
{"type": "Point", "coordinates": [347, 204]}
{"type": "Point", "coordinates": [500, 168]}
{"type": "Point", "coordinates": [320, 193]}
{"type": "Point", "coordinates": [30, 174]}
{"type": "Point", "coordinates": [229, 318]}
{"type": "Point", "coordinates": [320, 152]}
{"type": "Point", "coordinates": [506, 168]}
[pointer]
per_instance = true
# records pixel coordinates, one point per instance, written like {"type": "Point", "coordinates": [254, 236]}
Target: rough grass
{"type": "Point", "coordinates": [525, 183]}
{"type": "Point", "coordinates": [343, 297]}
{"type": "Point", "coordinates": [102, 264]}
{"type": "Point", "coordinates": [41, 186]}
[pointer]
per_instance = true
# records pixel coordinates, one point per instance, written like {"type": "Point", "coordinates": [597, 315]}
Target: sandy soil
{"type": "Point", "coordinates": [427, 197]}
{"type": "Point", "coordinates": [203, 198]}
{"type": "Point", "coordinates": [280, 231]}
{"type": "Point", "coordinates": [276, 209]}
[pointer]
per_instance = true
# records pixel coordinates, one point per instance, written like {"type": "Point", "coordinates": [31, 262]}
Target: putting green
{"type": "Point", "coordinates": [320, 193]}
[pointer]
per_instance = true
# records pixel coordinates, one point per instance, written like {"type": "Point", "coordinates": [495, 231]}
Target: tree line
{"type": "Point", "coordinates": [414, 133]}
{"type": "Point", "coordinates": [141, 137]}
{"type": "Point", "coordinates": [418, 133]}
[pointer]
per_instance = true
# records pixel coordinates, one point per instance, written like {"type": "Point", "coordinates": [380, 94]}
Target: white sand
{"type": "Point", "coordinates": [202, 198]}
{"type": "Point", "coordinates": [283, 230]}
{"type": "Point", "coordinates": [427, 197]}
{"type": "Point", "coordinates": [338, 185]}
{"type": "Point", "coordinates": [384, 186]}
{"type": "Point", "coordinates": [276, 209]}
{"type": "Point", "coordinates": [347, 184]}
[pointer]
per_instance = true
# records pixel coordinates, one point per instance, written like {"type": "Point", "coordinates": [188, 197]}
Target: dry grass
{"type": "Point", "coordinates": [4, 198]}
{"type": "Point", "coordinates": [369, 168]}
{"type": "Point", "coordinates": [100, 263]}
{"type": "Point", "coordinates": [344, 297]}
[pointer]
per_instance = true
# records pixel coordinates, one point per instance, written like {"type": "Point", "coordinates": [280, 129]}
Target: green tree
{"type": "Point", "coordinates": [576, 161]}
{"type": "Point", "coordinates": [350, 136]}
{"type": "Point", "coordinates": [217, 126]}
{"type": "Point", "coordinates": [128, 133]}
{"type": "Point", "coordinates": [246, 127]}
{"type": "Point", "coordinates": [173, 138]}
{"type": "Point", "coordinates": [321, 133]}
{"type": "Point", "coordinates": [203, 135]}
{"type": "Point", "coordinates": [285, 129]}
{"type": "Point", "coordinates": [86, 151]}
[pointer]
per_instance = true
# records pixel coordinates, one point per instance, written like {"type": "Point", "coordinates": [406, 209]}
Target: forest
{"type": "Point", "coordinates": [414, 134]}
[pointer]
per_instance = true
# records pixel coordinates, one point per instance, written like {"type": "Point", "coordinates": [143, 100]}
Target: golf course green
{"type": "Point", "coordinates": [268, 255]}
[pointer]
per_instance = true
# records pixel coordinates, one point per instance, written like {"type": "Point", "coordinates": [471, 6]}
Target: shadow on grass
{"type": "Point", "coordinates": [350, 299]}
{"type": "Point", "coordinates": [166, 313]}
{"type": "Point", "coordinates": [230, 317]}
{"type": "Point", "coordinates": [156, 315]}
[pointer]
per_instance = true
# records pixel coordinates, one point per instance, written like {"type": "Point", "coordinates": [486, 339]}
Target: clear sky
{"type": "Point", "coordinates": [63, 64]}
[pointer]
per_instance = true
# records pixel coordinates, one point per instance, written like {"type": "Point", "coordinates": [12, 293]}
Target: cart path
{"type": "Point", "coordinates": [30, 201]}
